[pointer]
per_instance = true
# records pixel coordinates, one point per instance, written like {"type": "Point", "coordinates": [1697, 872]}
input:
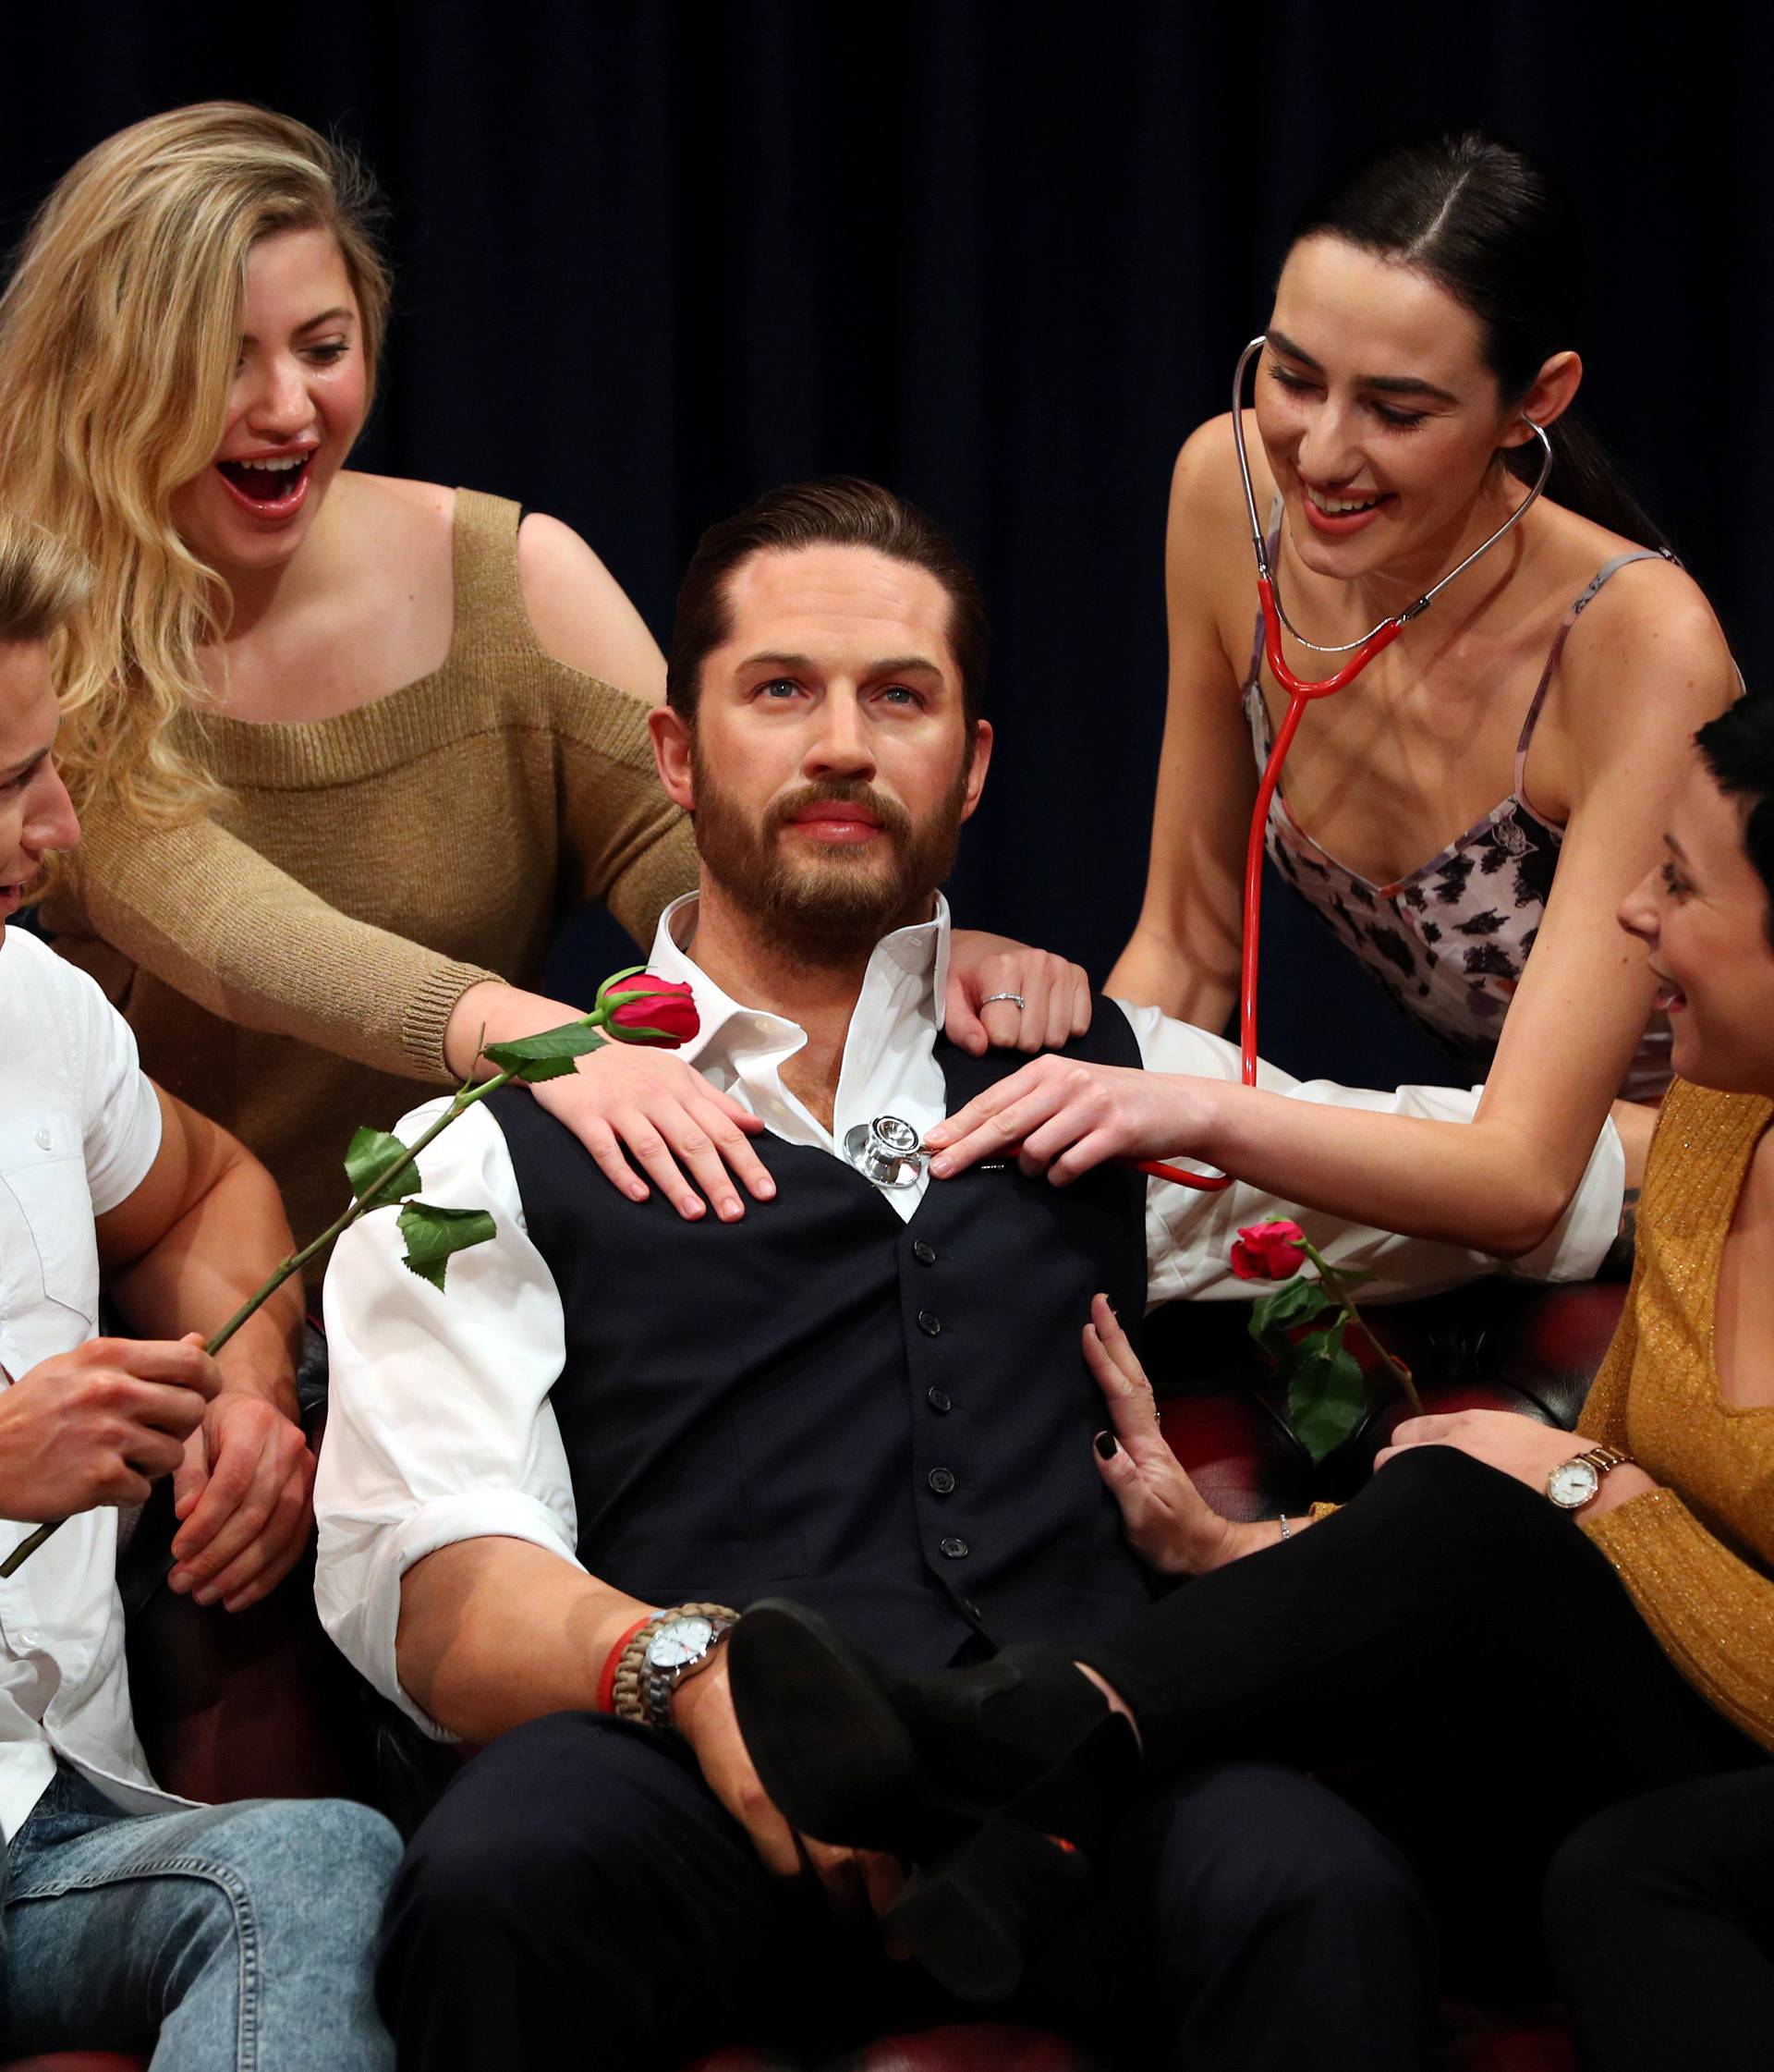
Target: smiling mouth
{"type": "Point", "coordinates": [1669, 999]}
{"type": "Point", "coordinates": [1343, 506]}
{"type": "Point", "coordinates": [269, 485]}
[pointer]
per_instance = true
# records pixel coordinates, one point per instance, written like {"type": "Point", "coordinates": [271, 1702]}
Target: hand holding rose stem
{"type": "Point", "coordinates": [383, 1170]}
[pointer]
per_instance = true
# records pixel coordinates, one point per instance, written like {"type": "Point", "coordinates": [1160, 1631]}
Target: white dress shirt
{"type": "Point", "coordinates": [439, 1426]}
{"type": "Point", "coordinates": [78, 1129]}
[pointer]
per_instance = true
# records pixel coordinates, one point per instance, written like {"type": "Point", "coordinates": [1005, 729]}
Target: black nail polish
{"type": "Point", "coordinates": [1106, 1445]}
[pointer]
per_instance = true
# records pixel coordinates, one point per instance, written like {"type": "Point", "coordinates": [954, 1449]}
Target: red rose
{"type": "Point", "coordinates": [1268, 1251]}
{"type": "Point", "coordinates": [643, 1009]}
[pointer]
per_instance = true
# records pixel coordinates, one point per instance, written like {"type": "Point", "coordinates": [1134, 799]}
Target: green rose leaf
{"type": "Point", "coordinates": [433, 1235]}
{"type": "Point", "coordinates": [547, 1056]}
{"type": "Point", "coordinates": [1326, 1397]}
{"type": "Point", "coordinates": [373, 1154]}
{"type": "Point", "coordinates": [1273, 1316]}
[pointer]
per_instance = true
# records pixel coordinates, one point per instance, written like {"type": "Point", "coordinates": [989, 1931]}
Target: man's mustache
{"type": "Point", "coordinates": [888, 813]}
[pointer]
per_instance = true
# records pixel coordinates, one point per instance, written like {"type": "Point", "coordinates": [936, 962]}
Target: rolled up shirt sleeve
{"type": "Point", "coordinates": [1189, 1235]}
{"type": "Point", "coordinates": [439, 1427]}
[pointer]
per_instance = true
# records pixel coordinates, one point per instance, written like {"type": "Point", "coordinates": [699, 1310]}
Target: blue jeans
{"type": "Point", "coordinates": [226, 1939]}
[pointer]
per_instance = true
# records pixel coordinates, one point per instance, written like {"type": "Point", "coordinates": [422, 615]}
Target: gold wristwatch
{"type": "Point", "coordinates": [1575, 1482]}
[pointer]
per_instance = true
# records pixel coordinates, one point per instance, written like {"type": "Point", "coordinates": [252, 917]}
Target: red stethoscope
{"type": "Point", "coordinates": [1300, 694]}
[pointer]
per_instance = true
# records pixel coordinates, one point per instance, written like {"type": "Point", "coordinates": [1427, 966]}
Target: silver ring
{"type": "Point", "coordinates": [1016, 996]}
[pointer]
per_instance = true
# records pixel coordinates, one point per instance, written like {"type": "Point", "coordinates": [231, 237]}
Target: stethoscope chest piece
{"type": "Point", "coordinates": [887, 1151]}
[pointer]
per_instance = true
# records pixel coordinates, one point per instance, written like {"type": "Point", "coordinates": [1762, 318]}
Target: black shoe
{"type": "Point", "coordinates": [994, 1783]}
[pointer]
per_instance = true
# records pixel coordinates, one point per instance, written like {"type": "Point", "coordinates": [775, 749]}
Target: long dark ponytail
{"type": "Point", "coordinates": [1488, 225]}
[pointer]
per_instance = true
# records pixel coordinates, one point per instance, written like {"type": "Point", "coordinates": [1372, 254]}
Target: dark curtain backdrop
{"type": "Point", "coordinates": [652, 257]}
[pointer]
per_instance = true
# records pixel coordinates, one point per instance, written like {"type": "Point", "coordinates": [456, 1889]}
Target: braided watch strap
{"type": "Point", "coordinates": [629, 1690]}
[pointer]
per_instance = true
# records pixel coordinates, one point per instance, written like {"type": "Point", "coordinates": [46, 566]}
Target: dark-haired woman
{"type": "Point", "coordinates": [1532, 720]}
{"type": "Point", "coordinates": [1520, 1627]}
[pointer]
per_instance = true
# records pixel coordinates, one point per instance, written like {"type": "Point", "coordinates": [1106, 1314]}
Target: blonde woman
{"type": "Point", "coordinates": [347, 747]}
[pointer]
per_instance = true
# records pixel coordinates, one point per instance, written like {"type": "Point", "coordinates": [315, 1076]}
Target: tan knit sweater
{"type": "Point", "coordinates": [1696, 1553]}
{"type": "Point", "coordinates": [289, 966]}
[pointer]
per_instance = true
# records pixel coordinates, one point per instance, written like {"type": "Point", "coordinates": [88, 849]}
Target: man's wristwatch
{"type": "Point", "coordinates": [666, 1651]}
{"type": "Point", "coordinates": [1573, 1483]}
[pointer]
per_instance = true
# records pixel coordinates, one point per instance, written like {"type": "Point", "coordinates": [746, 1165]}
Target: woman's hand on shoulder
{"type": "Point", "coordinates": [1054, 995]}
{"type": "Point", "coordinates": [581, 615]}
{"type": "Point", "coordinates": [625, 1101]}
{"type": "Point", "coordinates": [691, 1140]}
{"type": "Point", "coordinates": [1170, 1525]}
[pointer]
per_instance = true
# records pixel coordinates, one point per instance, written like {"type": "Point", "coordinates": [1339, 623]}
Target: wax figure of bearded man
{"type": "Point", "coordinates": [541, 1491]}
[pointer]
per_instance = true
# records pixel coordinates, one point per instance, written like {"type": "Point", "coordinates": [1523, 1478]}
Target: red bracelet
{"type": "Point", "coordinates": [613, 1662]}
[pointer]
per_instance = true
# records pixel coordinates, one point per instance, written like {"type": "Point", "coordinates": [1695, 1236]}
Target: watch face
{"type": "Point", "coordinates": [679, 1640]}
{"type": "Point", "coordinates": [1572, 1483]}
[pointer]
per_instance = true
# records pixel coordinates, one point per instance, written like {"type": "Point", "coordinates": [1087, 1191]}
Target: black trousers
{"type": "Point", "coordinates": [1459, 1654]}
{"type": "Point", "coordinates": [1661, 1917]}
{"type": "Point", "coordinates": [578, 1898]}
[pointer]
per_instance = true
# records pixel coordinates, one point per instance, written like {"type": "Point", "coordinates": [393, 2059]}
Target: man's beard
{"type": "Point", "coordinates": [825, 906]}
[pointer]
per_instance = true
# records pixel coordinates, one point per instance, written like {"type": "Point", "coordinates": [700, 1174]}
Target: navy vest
{"type": "Point", "coordinates": [889, 1421]}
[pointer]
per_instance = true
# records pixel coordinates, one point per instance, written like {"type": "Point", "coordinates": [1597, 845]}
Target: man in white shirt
{"type": "Point", "coordinates": [866, 1393]}
{"type": "Point", "coordinates": [133, 1920]}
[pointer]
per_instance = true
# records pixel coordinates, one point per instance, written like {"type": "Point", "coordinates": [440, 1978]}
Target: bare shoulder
{"type": "Point", "coordinates": [1206, 550]}
{"type": "Point", "coordinates": [418, 511]}
{"type": "Point", "coordinates": [581, 615]}
{"type": "Point", "coordinates": [1205, 484]}
{"type": "Point", "coordinates": [1649, 655]}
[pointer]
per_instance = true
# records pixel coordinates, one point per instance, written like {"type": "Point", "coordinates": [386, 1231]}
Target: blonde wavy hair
{"type": "Point", "coordinates": [42, 581]}
{"type": "Point", "coordinates": [119, 332]}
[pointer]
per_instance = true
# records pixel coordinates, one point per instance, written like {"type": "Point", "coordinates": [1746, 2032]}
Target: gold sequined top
{"type": "Point", "coordinates": [1697, 1552]}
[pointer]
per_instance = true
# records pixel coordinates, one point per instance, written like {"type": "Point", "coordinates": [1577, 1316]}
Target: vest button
{"type": "Point", "coordinates": [941, 1480]}
{"type": "Point", "coordinates": [929, 1322]}
{"type": "Point", "coordinates": [939, 1400]}
{"type": "Point", "coordinates": [923, 1252]}
{"type": "Point", "coordinates": [956, 1550]}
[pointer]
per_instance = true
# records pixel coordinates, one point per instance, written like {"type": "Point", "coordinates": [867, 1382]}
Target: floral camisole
{"type": "Point", "coordinates": [1449, 941]}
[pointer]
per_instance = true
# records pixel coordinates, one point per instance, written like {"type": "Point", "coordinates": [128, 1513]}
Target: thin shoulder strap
{"type": "Point", "coordinates": [1591, 591]}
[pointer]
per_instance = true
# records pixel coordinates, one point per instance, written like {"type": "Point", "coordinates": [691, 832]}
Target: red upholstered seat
{"type": "Point", "coordinates": [234, 1708]}
{"type": "Point", "coordinates": [954, 2047]}
{"type": "Point", "coordinates": [78, 2061]}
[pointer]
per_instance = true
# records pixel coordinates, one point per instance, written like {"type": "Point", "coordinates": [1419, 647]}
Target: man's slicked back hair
{"type": "Point", "coordinates": [840, 511]}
